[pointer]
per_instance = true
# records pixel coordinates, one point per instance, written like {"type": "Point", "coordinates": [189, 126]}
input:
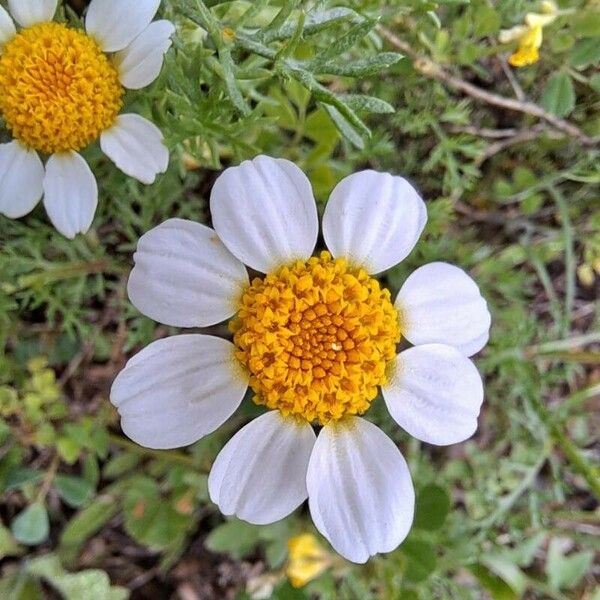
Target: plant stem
{"type": "Point", "coordinates": [570, 264]}
{"type": "Point", "coordinates": [48, 479]}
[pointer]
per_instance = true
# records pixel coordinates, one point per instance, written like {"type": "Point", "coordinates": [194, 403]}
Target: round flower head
{"type": "Point", "coordinates": [62, 89]}
{"type": "Point", "coordinates": [315, 339]}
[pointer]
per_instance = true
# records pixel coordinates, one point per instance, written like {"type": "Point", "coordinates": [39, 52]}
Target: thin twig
{"type": "Point", "coordinates": [524, 135]}
{"type": "Point", "coordinates": [519, 93]}
{"type": "Point", "coordinates": [48, 479]}
{"type": "Point", "coordinates": [485, 132]}
{"type": "Point", "coordinates": [431, 69]}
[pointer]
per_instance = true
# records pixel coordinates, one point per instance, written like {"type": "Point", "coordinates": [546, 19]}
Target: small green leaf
{"type": "Point", "coordinates": [369, 104]}
{"type": "Point", "coordinates": [280, 18]}
{"type": "Point", "coordinates": [315, 21]}
{"type": "Point", "coordinates": [498, 589]}
{"type": "Point", "coordinates": [508, 571]}
{"type": "Point", "coordinates": [344, 127]}
{"type": "Point", "coordinates": [234, 537]}
{"type": "Point", "coordinates": [532, 203]}
{"type": "Point", "coordinates": [75, 491]}
{"type": "Point", "coordinates": [90, 584]}
{"type": "Point", "coordinates": [32, 526]}
{"type": "Point", "coordinates": [149, 518]}
{"type": "Point", "coordinates": [565, 572]}
{"type": "Point", "coordinates": [432, 507]}
{"type": "Point", "coordinates": [18, 586]}
{"type": "Point", "coordinates": [421, 560]}
{"type": "Point", "coordinates": [586, 23]}
{"type": "Point", "coordinates": [21, 476]}
{"type": "Point", "coordinates": [319, 127]}
{"type": "Point", "coordinates": [558, 96]}
{"type": "Point", "coordinates": [68, 449]}
{"type": "Point", "coordinates": [524, 552]}
{"type": "Point", "coordinates": [91, 470]}
{"type": "Point", "coordinates": [487, 21]}
{"type": "Point", "coordinates": [595, 82]}
{"type": "Point", "coordinates": [100, 442]}
{"type": "Point", "coordinates": [523, 178]}
{"type": "Point", "coordinates": [120, 464]}
{"type": "Point", "coordinates": [345, 42]}
{"type": "Point", "coordinates": [585, 52]}
{"type": "Point", "coordinates": [8, 544]}
{"type": "Point", "coordinates": [360, 68]}
{"type": "Point", "coordinates": [228, 67]}
{"type": "Point", "coordinates": [86, 522]}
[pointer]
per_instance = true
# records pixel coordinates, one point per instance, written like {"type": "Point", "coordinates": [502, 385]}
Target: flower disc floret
{"type": "Point", "coordinates": [317, 337]}
{"type": "Point", "coordinates": [58, 90]}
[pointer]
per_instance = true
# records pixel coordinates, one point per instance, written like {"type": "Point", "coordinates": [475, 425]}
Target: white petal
{"type": "Point", "coordinates": [373, 219]}
{"type": "Point", "coordinates": [116, 23]}
{"type": "Point", "coordinates": [360, 492]}
{"type": "Point", "coordinates": [7, 27]}
{"type": "Point", "coordinates": [260, 475]}
{"type": "Point", "coordinates": [136, 146]}
{"type": "Point", "coordinates": [70, 193]}
{"type": "Point", "coordinates": [435, 394]}
{"type": "Point", "coordinates": [30, 12]}
{"type": "Point", "coordinates": [178, 389]}
{"type": "Point", "coordinates": [140, 63]}
{"type": "Point", "coordinates": [21, 177]}
{"type": "Point", "coordinates": [265, 212]}
{"type": "Point", "coordinates": [440, 303]}
{"type": "Point", "coordinates": [184, 276]}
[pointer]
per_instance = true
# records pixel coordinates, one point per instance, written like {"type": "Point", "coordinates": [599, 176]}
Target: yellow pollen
{"type": "Point", "coordinates": [58, 90]}
{"type": "Point", "coordinates": [316, 337]}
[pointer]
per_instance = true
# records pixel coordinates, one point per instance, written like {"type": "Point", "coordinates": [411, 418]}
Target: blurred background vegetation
{"type": "Point", "coordinates": [507, 160]}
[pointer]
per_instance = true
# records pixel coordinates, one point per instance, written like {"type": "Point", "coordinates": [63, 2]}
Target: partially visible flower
{"type": "Point", "coordinates": [529, 36]}
{"type": "Point", "coordinates": [307, 559]}
{"type": "Point", "coordinates": [315, 338]}
{"type": "Point", "coordinates": [62, 89]}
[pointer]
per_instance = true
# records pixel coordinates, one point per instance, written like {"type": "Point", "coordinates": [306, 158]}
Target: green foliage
{"type": "Point", "coordinates": [91, 584]}
{"type": "Point", "coordinates": [558, 96]}
{"type": "Point", "coordinates": [511, 513]}
{"type": "Point", "coordinates": [31, 527]}
{"type": "Point", "coordinates": [433, 504]}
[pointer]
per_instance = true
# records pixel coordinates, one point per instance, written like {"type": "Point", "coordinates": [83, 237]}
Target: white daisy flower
{"type": "Point", "coordinates": [61, 89]}
{"type": "Point", "coordinates": [315, 339]}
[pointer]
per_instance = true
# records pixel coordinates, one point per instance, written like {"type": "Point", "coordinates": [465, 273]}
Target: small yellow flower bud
{"type": "Point", "coordinates": [228, 34]}
{"type": "Point", "coordinates": [585, 274]}
{"type": "Point", "coordinates": [307, 559]}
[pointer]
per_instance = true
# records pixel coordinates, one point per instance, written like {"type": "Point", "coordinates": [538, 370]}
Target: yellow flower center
{"type": "Point", "coordinates": [58, 90]}
{"type": "Point", "coordinates": [316, 337]}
